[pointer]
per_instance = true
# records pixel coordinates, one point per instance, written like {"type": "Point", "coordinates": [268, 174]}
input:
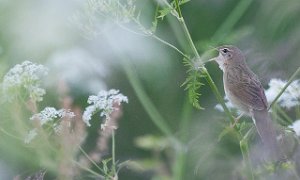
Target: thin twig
{"type": "Point", "coordinates": [10, 135]}
{"type": "Point", "coordinates": [87, 169]}
{"type": "Point", "coordinates": [87, 156]}
{"type": "Point", "coordinates": [170, 45]}
{"type": "Point", "coordinates": [285, 87]}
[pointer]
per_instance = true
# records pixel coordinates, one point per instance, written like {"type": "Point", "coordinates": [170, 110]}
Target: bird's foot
{"type": "Point", "coordinates": [236, 120]}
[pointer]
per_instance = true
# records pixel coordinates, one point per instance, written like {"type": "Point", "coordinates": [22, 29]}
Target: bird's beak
{"type": "Point", "coordinates": [214, 58]}
{"type": "Point", "coordinates": [215, 48]}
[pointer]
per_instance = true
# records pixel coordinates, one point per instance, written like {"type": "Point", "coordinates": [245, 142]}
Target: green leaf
{"type": "Point", "coordinates": [192, 83]}
{"type": "Point", "coordinates": [227, 130]}
{"type": "Point", "coordinates": [183, 2]}
{"type": "Point", "coordinates": [165, 11]}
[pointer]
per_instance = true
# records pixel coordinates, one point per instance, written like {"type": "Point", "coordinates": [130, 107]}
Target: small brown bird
{"type": "Point", "coordinates": [244, 90]}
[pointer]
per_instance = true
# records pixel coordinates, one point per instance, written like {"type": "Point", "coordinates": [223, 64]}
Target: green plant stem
{"type": "Point", "coordinates": [9, 134]}
{"type": "Point", "coordinates": [185, 120]}
{"type": "Point", "coordinates": [286, 117]}
{"type": "Point", "coordinates": [113, 152]}
{"type": "Point", "coordinates": [286, 86]}
{"type": "Point", "coordinates": [170, 45]}
{"type": "Point", "coordinates": [179, 166]}
{"type": "Point", "coordinates": [297, 111]}
{"type": "Point", "coordinates": [178, 8]}
{"type": "Point", "coordinates": [189, 38]}
{"type": "Point", "coordinates": [88, 157]}
{"type": "Point", "coordinates": [206, 73]}
{"type": "Point", "coordinates": [146, 102]}
{"type": "Point", "coordinates": [245, 152]}
{"type": "Point", "coordinates": [244, 144]}
{"type": "Point", "coordinates": [87, 169]}
{"type": "Point", "coordinates": [218, 96]}
{"type": "Point", "coordinates": [180, 161]}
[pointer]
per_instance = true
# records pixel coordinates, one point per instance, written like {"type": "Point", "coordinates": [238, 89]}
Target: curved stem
{"type": "Point", "coordinates": [88, 157]}
{"type": "Point", "coordinates": [285, 87]}
{"type": "Point", "coordinates": [146, 101]}
{"type": "Point", "coordinates": [170, 45]}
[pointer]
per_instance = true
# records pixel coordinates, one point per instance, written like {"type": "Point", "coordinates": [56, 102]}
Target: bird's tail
{"type": "Point", "coordinates": [267, 132]}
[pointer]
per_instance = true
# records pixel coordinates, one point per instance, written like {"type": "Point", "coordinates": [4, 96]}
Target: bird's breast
{"type": "Point", "coordinates": [233, 98]}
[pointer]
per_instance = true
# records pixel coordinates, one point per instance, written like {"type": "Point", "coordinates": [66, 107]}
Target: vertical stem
{"type": "Point", "coordinates": [178, 8]}
{"type": "Point", "coordinates": [297, 111]}
{"type": "Point", "coordinates": [208, 77]}
{"type": "Point", "coordinates": [181, 154]}
{"type": "Point", "coordinates": [245, 152]}
{"type": "Point", "coordinates": [189, 38]}
{"type": "Point", "coordinates": [145, 100]}
{"type": "Point", "coordinates": [218, 95]}
{"type": "Point", "coordinates": [113, 152]}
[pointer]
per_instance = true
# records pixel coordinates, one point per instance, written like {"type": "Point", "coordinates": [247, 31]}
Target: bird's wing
{"type": "Point", "coordinates": [245, 85]}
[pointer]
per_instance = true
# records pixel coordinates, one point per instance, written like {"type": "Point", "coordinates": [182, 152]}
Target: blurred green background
{"type": "Point", "coordinates": [48, 32]}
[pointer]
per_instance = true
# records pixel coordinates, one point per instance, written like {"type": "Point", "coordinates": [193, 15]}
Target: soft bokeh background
{"type": "Point", "coordinates": [50, 33]}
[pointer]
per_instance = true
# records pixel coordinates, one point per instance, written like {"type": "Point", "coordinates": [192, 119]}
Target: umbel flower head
{"type": "Point", "coordinates": [51, 117]}
{"type": "Point", "coordinates": [24, 78]}
{"type": "Point", "coordinates": [50, 114]}
{"type": "Point", "coordinates": [103, 102]}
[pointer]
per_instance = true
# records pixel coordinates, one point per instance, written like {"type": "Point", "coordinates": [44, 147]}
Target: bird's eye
{"type": "Point", "coordinates": [225, 50]}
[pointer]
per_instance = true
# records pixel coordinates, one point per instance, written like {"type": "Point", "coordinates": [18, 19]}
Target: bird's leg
{"type": "Point", "coordinates": [237, 119]}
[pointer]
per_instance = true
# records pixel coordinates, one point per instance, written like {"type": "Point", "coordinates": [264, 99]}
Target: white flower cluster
{"type": "Point", "coordinates": [296, 127]}
{"type": "Point", "coordinates": [49, 114]}
{"type": "Point", "coordinates": [25, 76]}
{"type": "Point", "coordinates": [103, 102]}
{"type": "Point", "coordinates": [289, 98]}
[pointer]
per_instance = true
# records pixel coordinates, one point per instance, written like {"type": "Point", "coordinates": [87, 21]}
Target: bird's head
{"type": "Point", "coordinates": [228, 56]}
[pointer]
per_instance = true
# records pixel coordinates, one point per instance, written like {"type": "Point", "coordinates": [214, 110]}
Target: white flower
{"type": "Point", "coordinates": [25, 76]}
{"type": "Point", "coordinates": [50, 114]}
{"type": "Point", "coordinates": [30, 136]}
{"type": "Point", "coordinates": [103, 102]}
{"type": "Point", "coordinates": [289, 98]}
{"type": "Point", "coordinates": [296, 127]}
